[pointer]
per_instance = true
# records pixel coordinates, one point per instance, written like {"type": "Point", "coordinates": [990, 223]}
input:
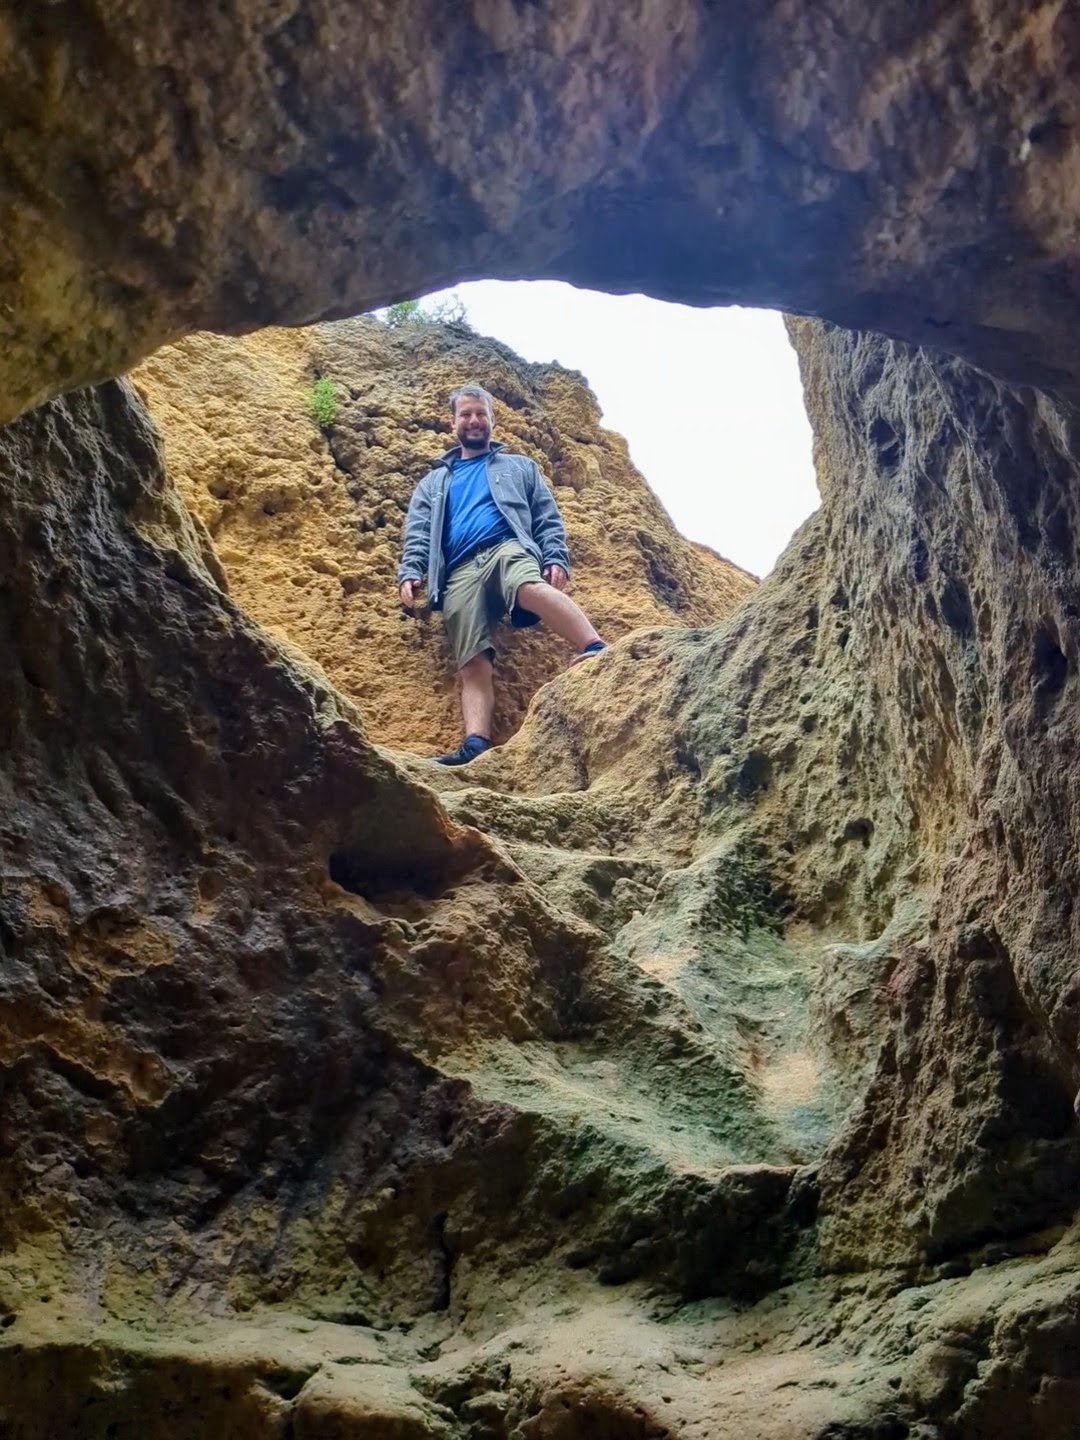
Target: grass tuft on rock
{"type": "Point", "coordinates": [323, 400]}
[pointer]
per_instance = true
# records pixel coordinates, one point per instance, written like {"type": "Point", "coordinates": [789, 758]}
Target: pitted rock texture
{"type": "Point", "coordinates": [972, 613]}
{"type": "Point", "coordinates": [888, 727]}
{"type": "Point", "coordinates": [703, 1062]}
{"type": "Point", "coordinates": [646, 1112]}
{"type": "Point", "coordinates": [290, 1036]}
{"type": "Point", "coordinates": [904, 168]}
{"type": "Point", "coordinates": [307, 521]}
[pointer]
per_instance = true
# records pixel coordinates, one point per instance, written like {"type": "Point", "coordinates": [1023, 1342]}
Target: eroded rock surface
{"type": "Point", "coordinates": [307, 521]}
{"type": "Point", "coordinates": [903, 168]}
{"type": "Point", "coordinates": [701, 1064]}
{"type": "Point", "coordinates": [900, 762]}
{"type": "Point", "coordinates": [687, 1068]}
{"type": "Point", "coordinates": [279, 1032]}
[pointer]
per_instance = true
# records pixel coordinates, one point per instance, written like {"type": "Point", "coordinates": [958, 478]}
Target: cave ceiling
{"type": "Point", "coordinates": [905, 167]}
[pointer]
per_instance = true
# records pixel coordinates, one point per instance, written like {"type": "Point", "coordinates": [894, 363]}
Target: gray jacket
{"type": "Point", "coordinates": [524, 500]}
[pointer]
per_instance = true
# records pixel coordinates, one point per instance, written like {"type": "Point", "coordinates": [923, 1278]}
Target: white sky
{"type": "Point", "coordinates": [709, 401]}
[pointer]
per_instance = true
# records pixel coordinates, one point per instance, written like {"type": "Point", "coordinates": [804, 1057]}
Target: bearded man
{"type": "Point", "coordinates": [484, 531]}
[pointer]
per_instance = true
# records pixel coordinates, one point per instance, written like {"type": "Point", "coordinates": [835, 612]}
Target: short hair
{"type": "Point", "coordinates": [477, 392]}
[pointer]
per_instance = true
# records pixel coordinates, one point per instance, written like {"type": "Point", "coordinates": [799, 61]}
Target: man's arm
{"type": "Point", "coordinates": [547, 524]}
{"type": "Point", "coordinates": [414, 552]}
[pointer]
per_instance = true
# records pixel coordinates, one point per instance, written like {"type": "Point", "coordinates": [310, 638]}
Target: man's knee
{"type": "Point", "coordinates": [476, 667]}
{"type": "Point", "coordinates": [525, 592]}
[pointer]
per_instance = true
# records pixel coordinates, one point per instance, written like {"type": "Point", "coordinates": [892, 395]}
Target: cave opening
{"type": "Point", "coordinates": [709, 400]}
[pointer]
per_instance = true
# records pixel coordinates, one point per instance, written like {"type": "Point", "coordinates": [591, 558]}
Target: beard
{"type": "Point", "coordinates": [474, 436]}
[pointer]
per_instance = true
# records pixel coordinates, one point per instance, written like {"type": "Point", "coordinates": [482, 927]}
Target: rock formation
{"type": "Point", "coordinates": [901, 767]}
{"type": "Point", "coordinates": [307, 520]}
{"type": "Point", "coordinates": [702, 1063]}
{"type": "Point", "coordinates": [391, 1124]}
{"type": "Point", "coordinates": [906, 168]}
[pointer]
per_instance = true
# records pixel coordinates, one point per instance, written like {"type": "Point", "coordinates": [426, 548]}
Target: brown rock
{"type": "Point", "coordinates": [908, 169]}
{"type": "Point", "coordinates": [859, 724]}
{"type": "Point", "coordinates": [282, 1029]}
{"type": "Point", "coordinates": [725, 1085]}
{"type": "Point", "coordinates": [305, 1112]}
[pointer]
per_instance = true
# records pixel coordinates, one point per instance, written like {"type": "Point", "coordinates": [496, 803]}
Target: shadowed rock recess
{"type": "Point", "coordinates": [702, 1062]}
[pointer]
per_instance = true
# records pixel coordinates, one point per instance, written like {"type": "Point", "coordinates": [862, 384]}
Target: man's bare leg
{"type": "Point", "coordinates": [557, 610]}
{"type": "Point", "coordinates": [477, 678]}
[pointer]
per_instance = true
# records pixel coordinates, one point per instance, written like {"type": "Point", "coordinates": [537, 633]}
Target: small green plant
{"type": "Point", "coordinates": [323, 400]}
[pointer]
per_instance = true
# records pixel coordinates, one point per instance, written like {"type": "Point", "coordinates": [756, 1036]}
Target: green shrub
{"type": "Point", "coordinates": [322, 400]}
{"type": "Point", "coordinates": [405, 312]}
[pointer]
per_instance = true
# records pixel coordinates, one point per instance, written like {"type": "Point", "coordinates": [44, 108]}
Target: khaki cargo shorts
{"type": "Point", "coordinates": [479, 593]}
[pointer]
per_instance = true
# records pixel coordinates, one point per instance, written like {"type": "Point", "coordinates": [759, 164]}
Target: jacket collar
{"type": "Point", "coordinates": [454, 453]}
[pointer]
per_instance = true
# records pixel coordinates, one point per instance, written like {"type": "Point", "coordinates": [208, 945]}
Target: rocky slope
{"type": "Point", "coordinates": [901, 766]}
{"type": "Point", "coordinates": [306, 1050]}
{"type": "Point", "coordinates": [587, 1098]}
{"type": "Point", "coordinates": [307, 520]}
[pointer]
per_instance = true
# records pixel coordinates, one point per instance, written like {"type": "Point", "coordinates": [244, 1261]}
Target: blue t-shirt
{"type": "Point", "coordinates": [473, 520]}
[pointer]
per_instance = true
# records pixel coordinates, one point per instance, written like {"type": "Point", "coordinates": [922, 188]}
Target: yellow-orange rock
{"type": "Point", "coordinates": [325, 1112]}
{"type": "Point", "coordinates": [307, 520]}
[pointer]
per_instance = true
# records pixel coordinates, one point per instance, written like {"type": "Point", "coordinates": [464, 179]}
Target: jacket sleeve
{"type": "Point", "coordinates": [548, 530]}
{"type": "Point", "coordinates": [414, 553]}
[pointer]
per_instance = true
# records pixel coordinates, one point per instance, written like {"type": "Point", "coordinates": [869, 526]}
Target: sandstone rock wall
{"type": "Point", "coordinates": [290, 1036]}
{"type": "Point", "coordinates": [307, 521]}
{"type": "Point", "coordinates": [701, 1064]}
{"type": "Point", "coordinates": [963, 497]}
{"type": "Point", "coordinates": [888, 724]}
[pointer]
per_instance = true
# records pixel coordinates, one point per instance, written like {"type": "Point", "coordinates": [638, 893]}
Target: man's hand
{"type": "Point", "coordinates": [408, 593]}
{"type": "Point", "coordinates": [555, 575]}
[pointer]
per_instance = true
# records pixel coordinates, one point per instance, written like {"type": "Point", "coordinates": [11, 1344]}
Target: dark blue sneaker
{"type": "Point", "coordinates": [471, 746]}
{"type": "Point", "coordinates": [593, 648]}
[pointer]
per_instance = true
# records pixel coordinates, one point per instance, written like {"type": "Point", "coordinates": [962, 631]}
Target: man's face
{"type": "Point", "coordinates": [472, 422]}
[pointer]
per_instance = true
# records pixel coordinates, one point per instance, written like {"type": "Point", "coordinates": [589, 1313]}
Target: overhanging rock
{"type": "Point", "coordinates": [903, 168]}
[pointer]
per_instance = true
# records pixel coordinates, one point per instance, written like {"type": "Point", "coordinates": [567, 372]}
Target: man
{"type": "Point", "coordinates": [485, 531]}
